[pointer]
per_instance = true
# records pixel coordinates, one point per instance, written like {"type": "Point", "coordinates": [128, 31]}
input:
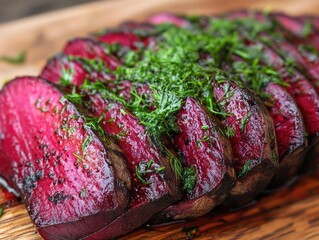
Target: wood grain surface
{"type": "Point", "coordinates": [290, 213]}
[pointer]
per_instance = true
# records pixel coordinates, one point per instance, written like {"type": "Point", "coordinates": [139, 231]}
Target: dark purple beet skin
{"type": "Point", "coordinates": [204, 147]}
{"type": "Point", "coordinates": [70, 189]}
{"type": "Point", "coordinates": [89, 48]}
{"type": "Point", "coordinates": [138, 150]}
{"type": "Point", "coordinates": [253, 142]}
{"type": "Point", "coordinates": [290, 133]}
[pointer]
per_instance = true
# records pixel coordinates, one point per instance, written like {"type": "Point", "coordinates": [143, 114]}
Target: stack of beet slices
{"type": "Point", "coordinates": [123, 127]}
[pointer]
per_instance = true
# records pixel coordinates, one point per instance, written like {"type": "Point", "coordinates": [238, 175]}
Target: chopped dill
{"type": "Point", "coordinates": [17, 59]}
{"type": "Point", "coordinates": [144, 169]}
{"type": "Point", "coordinates": [87, 141]}
{"type": "Point", "coordinates": [246, 168]}
{"type": "Point", "coordinates": [189, 179]}
{"type": "Point", "coordinates": [67, 75]}
{"type": "Point", "coordinates": [244, 121]}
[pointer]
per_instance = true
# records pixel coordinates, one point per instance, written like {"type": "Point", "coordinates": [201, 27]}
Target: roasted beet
{"type": "Point", "coordinates": [290, 133]}
{"type": "Point", "coordinates": [156, 187]}
{"type": "Point", "coordinates": [60, 69]}
{"type": "Point", "coordinates": [89, 48]}
{"type": "Point", "coordinates": [208, 160]}
{"type": "Point", "coordinates": [301, 90]}
{"type": "Point", "coordinates": [72, 180]}
{"type": "Point", "coordinates": [66, 70]}
{"type": "Point", "coordinates": [168, 18]}
{"type": "Point", "coordinates": [306, 61]}
{"type": "Point", "coordinates": [298, 31]}
{"type": "Point", "coordinates": [125, 39]}
{"type": "Point", "coordinates": [252, 137]}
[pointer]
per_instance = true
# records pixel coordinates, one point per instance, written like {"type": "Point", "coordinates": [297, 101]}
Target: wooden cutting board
{"type": "Point", "coordinates": [290, 213]}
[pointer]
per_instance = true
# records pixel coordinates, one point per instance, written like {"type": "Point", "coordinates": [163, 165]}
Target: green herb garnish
{"type": "Point", "coordinates": [246, 168]}
{"type": "Point", "coordinates": [18, 59]}
{"type": "Point", "coordinates": [189, 179]}
{"type": "Point", "coordinates": [144, 169]}
{"type": "Point", "coordinates": [244, 121]}
{"type": "Point", "coordinates": [67, 76]}
{"type": "Point", "coordinates": [191, 232]}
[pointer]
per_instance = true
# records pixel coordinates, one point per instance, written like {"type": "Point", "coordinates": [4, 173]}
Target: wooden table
{"type": "Point", "coordinates": [291, 213]}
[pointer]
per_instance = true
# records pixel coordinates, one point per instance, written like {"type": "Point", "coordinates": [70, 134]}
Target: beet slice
{"type": "Point", "coordinates": [300, 89]}
{"type": "Point", "coordinates": [72, 182]}
{"type": "Point", "coordinates": [89, 48]}
{"type": "Point", "coordinates": [252, 138]}
{"type": "Point", "coordinates": [306, 62]}
{"type": "Point", "coordinates": [297, 30]}
{"type": "Point", "coordinates": [168, 18]}
{"type": "Point", "coordinates": [60, 69]}
{"type": "Point", "coordinates": [157, 190]}
{"type": "Point", "coordinates": [207, 152]}
{"type": "Point", "coordinates": [290, 133]}
{"type": "Point", "coordinates": [66, 70]}
{"type": "Point", "coordinates": [124, 39]}
{"type": "Point", "coordinates": [161, 188]}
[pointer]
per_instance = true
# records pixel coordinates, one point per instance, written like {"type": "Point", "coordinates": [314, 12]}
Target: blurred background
{"type": "Point", "coordinates": [14, 9]}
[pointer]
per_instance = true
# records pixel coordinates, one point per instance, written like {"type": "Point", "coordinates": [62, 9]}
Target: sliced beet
{"type": "Point", "coordinates": [60, 69]}
{"type": "Point", "coordinates": [65, 70]}
{"type": "Point", "coordinates": [161, 187]}
{"type": "Point", "coordinates": [300, 89]}
{"type": "Point", "coordinates": [289, 129]}
{"type": "Point", "coordinates": [290, 133]}
{"type": "Point", "coordinates": [73, 182]}
{"type": "Point", "coordinates": [168, 18]}
{"type": "Point", "coordinates": [305, 96]}
{"type": "Point", "coordinates": [298, 31]}
{"type": "Point", "coordinates": [306, 62]}
{"type": "Point", "coordinates": [126, 39]}
{"type": "Point", "coordinates": [253, 141]}
{"type": "Point", "coordinates": [207, 152]}
{"type": "Point", "coordinates": [89, 48]}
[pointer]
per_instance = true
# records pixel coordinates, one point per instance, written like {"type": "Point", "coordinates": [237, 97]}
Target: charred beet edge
{"type": "Point", "coordinates": [70, 189]}
{"type": "Point", "coordinates": [252, 138]}
{"type": "Point", "coordinates": [208, 156]}
{"type": "Point", "coordinates": [154, 184]}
